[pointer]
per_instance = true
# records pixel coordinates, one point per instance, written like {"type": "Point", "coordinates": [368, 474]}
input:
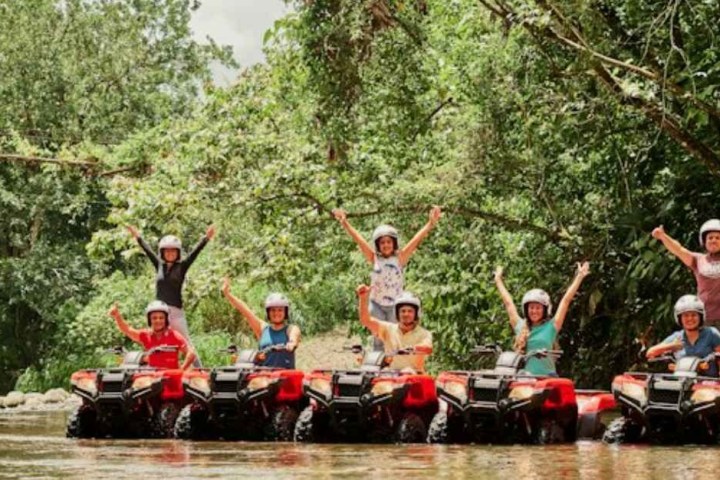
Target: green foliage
{"type": "Point", "coordinates": [541, 152]}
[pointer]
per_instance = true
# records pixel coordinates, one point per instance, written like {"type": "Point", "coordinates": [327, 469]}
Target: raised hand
{"type": "Point", "coordinates": [340, 215]}
{"type": "Point", "coordinates": [498, 273]}
{"type": "Point", "coordinates": [363, 291]}
{"type": "Point", "coordinates": [210, 233]}
{"type": "Point", "coordinates": [583, 269]}
{"type": "Point", "coordinates": [114, 311]}
{"type": "Point", "coordinates": [435, 214]}
{"type": "Point", "coordinates": [658, 233]}
{"type": "Point", "coordinates": [133, 231]}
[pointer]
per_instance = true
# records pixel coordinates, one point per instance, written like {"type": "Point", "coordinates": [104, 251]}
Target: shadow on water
{"type": "Point", "coordinates": [32, 445]}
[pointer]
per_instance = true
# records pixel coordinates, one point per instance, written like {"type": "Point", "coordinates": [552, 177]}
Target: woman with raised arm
{"type": "Point", "coordinates": [171, 270]}
{"type": "Point", "coordinates": [705, 266]}
{"type": "Point", "coordinates": [388, 263]}
{"type": "Point", "coordinates": [538, 329]}
{"type": "Point", "coordinates": [274, 330]}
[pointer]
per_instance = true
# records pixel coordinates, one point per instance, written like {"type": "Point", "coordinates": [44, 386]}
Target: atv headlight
{"type": "Point", "coordinates": [259, 383]}
{"type": "Point", "coordinates": [383, 388]}
{"type": "Point", "coordinates": [458, 390]}
{"type": "Point", "coordinates": [635, 391]}
{"type": "Point", "coordinates": [143, 382]}
{"type": "Point", "coordinates": [201, 384]}
{"type": "Point", "coordinates": [321, 385]}
{"type": "Point", "coordinates": [703, 395]}
{"type": "Point", "coordinates": [522, 392]}
{"type": "Point", "coordinates": [88, 385]}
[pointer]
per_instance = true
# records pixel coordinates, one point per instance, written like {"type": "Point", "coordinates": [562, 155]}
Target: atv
{"type": "Point", "coordinates": [242, 401]}
{"type": "Point", "coordinates": [504, 404]}
{"type": "Point", "coordinates": [681, 406]}
{"type": "Point", "coordinates": [370, 403]}
{"type": "Point", "coordinates": [131, 400]}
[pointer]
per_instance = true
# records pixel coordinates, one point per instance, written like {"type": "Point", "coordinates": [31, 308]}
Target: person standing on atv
{"type": "Point", "coordinates": [538, 330]}
{"type": "Point", "coordinates": [159, 334]}
{"type": "Point", "coordinates": [388, 263]}
{"type": "Point", "coordinates": [694, 339]}
{"type": "Point", "coordinates": [406, 334]}
{"type": "Point", "coordinates": [705, 266]}
{"type": "Point", "coordinates": [274, 331]}
{"type": "Point", "coordinates": [171, 271]}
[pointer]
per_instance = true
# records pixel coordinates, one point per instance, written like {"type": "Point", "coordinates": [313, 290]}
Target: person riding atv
{"type": "Point", "coordinates": [682, 406]}
{"type": "Point", "coordinates": [274, 331]}
{"type": "Point", "coordinates": [538, 330]}
{"type": "Point", "coordinates": [406, 334]}
{"type": "Point", "coordinates": [694, 339]}
{"type": "Point", "coordinates": [159, 334]}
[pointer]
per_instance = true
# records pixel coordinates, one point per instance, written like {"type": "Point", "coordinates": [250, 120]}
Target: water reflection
{"type": "Point", "coordinates": [32, 446]}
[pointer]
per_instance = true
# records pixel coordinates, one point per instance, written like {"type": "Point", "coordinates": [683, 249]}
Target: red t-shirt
{"type": "Point", "coordinates": [707, 275]}
{"type": "Point", "coordinates": [168, 337]}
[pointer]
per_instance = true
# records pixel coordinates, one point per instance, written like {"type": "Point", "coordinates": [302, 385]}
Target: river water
{"type": "Point", "coordinates": [32, 445]}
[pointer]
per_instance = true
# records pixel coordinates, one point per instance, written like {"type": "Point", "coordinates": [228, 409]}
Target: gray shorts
{"type": "Point", "coordinates": [381, 313]}
{"type": "Point", "coordinates": [179, 324]}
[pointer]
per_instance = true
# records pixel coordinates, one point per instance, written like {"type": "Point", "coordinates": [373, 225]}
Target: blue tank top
{"type": "Point", "coordinates": [270, 337]}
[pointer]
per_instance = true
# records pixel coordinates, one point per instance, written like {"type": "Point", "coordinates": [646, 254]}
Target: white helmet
{"type": "Point", "coordinates": [277, 300]}
{"type": "Point", "coordinates": [158, 306]}
{"type": "Point", "coordinates": [689, 303]}
{"type": "Point", "coordinates": [385, 231]}
{"type": "Point", "coordinates": [537, 295]}
{"type": "Point", "coordinates": [712, 225]}
{"type": "Point", "coordinates": [169, 241]}
{"type": "Point", "coordinates": [407, 298]}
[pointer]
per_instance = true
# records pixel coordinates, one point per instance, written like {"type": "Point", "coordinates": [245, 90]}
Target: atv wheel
{"type": "Point", "coordinates": [191, 423]}
{"type": "Point", "coordinates": [81, 423]}
{"type": "Point", "coordinates": [163, 423]}
{"type": "Point", "coordinates": [549, 431]}
{"type": "Point", "coordinates": [439, 431]}
{"type": "Point", "coordinates": [310, 426]}
{"type": "Point", "coordinates": [411, 429]}
{"type": "Point", "coordinates": [622, 430]}
{"type": "Point", "coordinates": [282, 425]}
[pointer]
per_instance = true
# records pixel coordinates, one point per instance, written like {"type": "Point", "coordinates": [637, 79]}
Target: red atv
{"type": "Point", "coordinates": [131, 400]}
{"type": "Point", "coordinates": [369, 403]}
{"type": "Point", "coordinates": [242, 401]}
{"type": "Point", "coordinates": [678, 407]}
{"type": "Point", "coordinates": [504, 405]}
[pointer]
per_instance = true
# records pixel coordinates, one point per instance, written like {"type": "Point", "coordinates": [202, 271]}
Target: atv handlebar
{"type": "Point", "coordinates": [542, 353]}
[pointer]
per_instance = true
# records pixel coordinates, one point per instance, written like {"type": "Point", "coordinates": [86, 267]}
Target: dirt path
{"type": "Point", "coordinates": [325, 350]}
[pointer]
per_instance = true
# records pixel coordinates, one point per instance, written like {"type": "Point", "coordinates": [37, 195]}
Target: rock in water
{"type": "Point", "coordinates": [14, 398]}
{"type": "Point", "coordinates": [55, 395]}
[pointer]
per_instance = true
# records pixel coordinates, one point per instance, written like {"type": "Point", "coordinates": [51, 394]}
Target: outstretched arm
{"type": "Point", "coordinates": [583, 270]}
{"type": "Point", "coordinates": [506, 298]}
{"type": "Point", "coordinates": [255, 323]}
{"type": "Point", "coordinates": [408, 250]}
{"type": "Point", "coordinates": [154, 259]}
{"type": "Point", "coordinates": [372, 324]}
{"type": "Point", "coordinates": [198, 248]}
{"type": "Point", "coordinates": [673, 246]}
{"type": "Point", "coordinates": [367, 250]}
{"type": "Point", "coordinates": [132, 333]}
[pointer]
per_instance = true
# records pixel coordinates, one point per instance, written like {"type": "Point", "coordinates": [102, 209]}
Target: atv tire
{"type": "Point", "coordinates": [622, 430]}
{"type": "Point", "coordinates": [549, 432]}
{"type": "Point", "coordinates": [281, 426]}
{"type": "Point", "coordinates": [439, 431]}
{"type": "Point", "coordinates": [310, 427]}
{"type": "Point", "coordinates": [82, 423]}
{"type": "Point", "coordinates": [163, 423]}
{"type": "Point", "coordinates": [411, 430]}
{"type": "Point", "coordinates": [192, 423]}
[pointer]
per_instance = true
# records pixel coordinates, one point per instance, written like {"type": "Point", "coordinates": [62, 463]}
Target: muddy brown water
{"type": "Point", "coordinates": [32, 445]}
